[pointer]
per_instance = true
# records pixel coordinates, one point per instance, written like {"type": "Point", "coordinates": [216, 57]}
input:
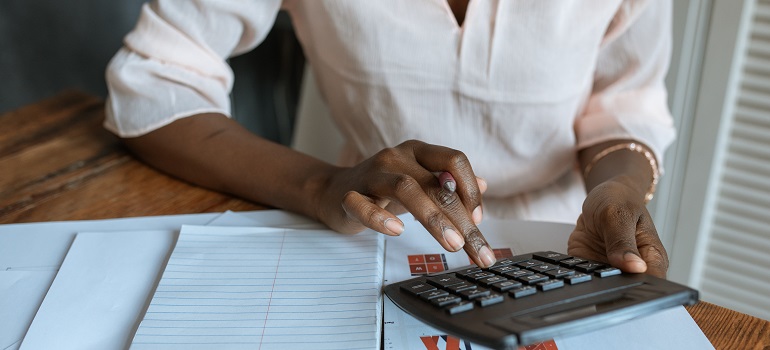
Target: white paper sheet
{"type": "Point", "coordinates": [669, 329]}
{"type": "Point", "coordinates": [246, 288]}
{"type": "Point", "coordinates": [280, 219]}
{"type": "Point", "coordinates": [42, 247]}
{"type": "Point", "coordinates": [20, 289]}
{"type": "Point", "coordinates": [99, 291]}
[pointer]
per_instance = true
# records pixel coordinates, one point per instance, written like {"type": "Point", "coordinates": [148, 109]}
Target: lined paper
{"type": "Point", "coordinates": [266, 288]}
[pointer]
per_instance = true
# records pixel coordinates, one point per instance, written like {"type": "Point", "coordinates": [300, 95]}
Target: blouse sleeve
{"type": "Point", "coordinates": [172, 64]}
{"type": "Point", "coordinates": [628, 99]}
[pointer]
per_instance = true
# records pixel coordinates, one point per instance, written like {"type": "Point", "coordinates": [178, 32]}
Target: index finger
{"type": "Point", "coordinates": [457, 175]}
{"type": "Point", "coordinates": [444, 159]}
{"type": "Point", "coordinates": [439, 210]}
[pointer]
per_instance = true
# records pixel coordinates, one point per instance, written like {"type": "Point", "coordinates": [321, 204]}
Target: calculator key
{"type": "Point", "coordinates": [471, 294]}
{"type": "Point", "coordinates": [433, 294]}
{"type": "Point", "coordinates": [578, 278]}
{"type": "Point", "coordinates": [507, 285]}
{"type": "Point", "coordinates": [490, 300]}
{"type": "Point", "coordinates": [522, 292]}
{"type": "Point", "coordinates": [500, 270]}
{"type": "Point", "coordinates": [459, 307]}
{"type": "Point", "coordinates": [456, 288]}
{"type": "Point", "coordinates": [445, 300]}
{"type": "Point", "coordinates": [444, 281]}
{"type": "Point", "coordinates": [502, 262]}
{"type": "Point", "coordinates": [560, 272]}
{"type": "Point", "coordinates": [572, 262]}
{"type": "Point", "coordinates": [543, 267]}
{"type": "Point", "coordinates": [610, 271]}
{"type": "Point", "coordinates": [417, 287]}
{"type": "Point", "coordinates": [479, 275]}
{"type": "Point", "coordinates": [486, 282]}
{"type": "Point", "coordinates": [589, 266]}
{"type": "Point", "coordinates": [551, 257]}
{"type": "Point", "coordinates": [519, 273]}
{"type": "Point", "coordinates": [528, 263]}
{"type": "Point", "coordinates": [550, 284]}
{"type": "Point", "coordinates": [532, 279]}
{"type": "Point", "coordinates": [468, 271]}
{"type": "Point", "coordinates": [518, 258]}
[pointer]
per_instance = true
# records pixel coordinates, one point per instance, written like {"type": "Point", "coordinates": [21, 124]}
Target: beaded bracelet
{"type": "Point", "coordinates": [635, 147]}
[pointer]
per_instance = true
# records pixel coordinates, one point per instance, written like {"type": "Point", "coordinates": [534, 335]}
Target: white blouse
{"type": "Point", "coordinates": [519, 87]}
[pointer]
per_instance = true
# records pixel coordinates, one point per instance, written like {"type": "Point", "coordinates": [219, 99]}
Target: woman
{"type": "Point", "coordinates": [559, 107]}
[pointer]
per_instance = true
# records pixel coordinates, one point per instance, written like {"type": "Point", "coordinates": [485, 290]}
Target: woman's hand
{"type": "Point", "coordinates": [404, 176]}
{"type": "Point", "coordinates": [615, 227]}
{"type": "Point", "coordinates": [214, 151]}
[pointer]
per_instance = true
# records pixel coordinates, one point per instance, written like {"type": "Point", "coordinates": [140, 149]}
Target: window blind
{"type": "Point", "coordinates": [736, 271]}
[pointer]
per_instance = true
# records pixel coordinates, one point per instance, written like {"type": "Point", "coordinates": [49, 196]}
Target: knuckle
{"type": "Point", "coordinates": [458, 159]}
{"type": "Point", "coordinates": [474, 238]}
{"type": "Point", "coordinates": [621, 244]}
{"type": "Point", "coordinates": [385, 157]}
{"type": "Point", "coordinates": [403, 184]}
{"type": "Point", "coordinates": [434, 219]}
{"type": "Point", "coordinates": [445, 199]}
{"type": "Point", "coordinates": [370, 215]}
{"type": "Point", "coordinates": [349, 198]}
{"type": "Point", "coordinates": [410, 144]}
{"type": "Point", "coordinates": [355, 207]}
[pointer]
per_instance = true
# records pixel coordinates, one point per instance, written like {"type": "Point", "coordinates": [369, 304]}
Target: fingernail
{"type": "Point", "coordinates": [482, 183]}
{"type": "Point", "coordinates": [453, 238]}
{"type": "Point", "coordinates": [477, 215]}
{"type": "Point", "coordinates": [394, 226]}
{"type": "Point", "coordinates": [486, 256]}
{"type": "Point", "coordinates": [634, 259]}
{"type": "Point", "coordinates": [447, 181]}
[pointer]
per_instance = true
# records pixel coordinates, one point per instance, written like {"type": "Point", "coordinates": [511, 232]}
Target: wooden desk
{"type": "Point", "coordinates": [58, 163]}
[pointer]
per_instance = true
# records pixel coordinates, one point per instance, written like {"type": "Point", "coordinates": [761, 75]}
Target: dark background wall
{"type": "Point", "coordinates": [47, 46]}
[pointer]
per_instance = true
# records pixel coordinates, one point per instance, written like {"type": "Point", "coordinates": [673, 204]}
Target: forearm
{"type": "Point", "coordinates": [624, 165]}
{"type": "Point", "coordinates": [214, 151]}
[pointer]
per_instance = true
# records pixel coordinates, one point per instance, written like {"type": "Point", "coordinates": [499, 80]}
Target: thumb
{"type": "Point", "coordinates": [622, 252]}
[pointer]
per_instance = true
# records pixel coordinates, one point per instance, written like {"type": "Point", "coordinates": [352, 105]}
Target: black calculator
{"type": "Point", "coordinates": [533, 297]}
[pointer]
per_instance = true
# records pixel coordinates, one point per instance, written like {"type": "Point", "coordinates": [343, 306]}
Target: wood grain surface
{"type": "Point", "coordinates": [728, 329]}
{"type": "Point", "coordinates": [57, 162]}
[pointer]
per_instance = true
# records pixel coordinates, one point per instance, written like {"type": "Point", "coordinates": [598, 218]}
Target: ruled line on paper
{"type": "Point", "coordinates": [266, 289]}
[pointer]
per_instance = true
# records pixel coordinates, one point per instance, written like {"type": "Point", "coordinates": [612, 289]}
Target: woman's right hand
{"type": "Point", "coordinates": [216, 152]}
{"type": "Point", "coordinates": [404, 176]}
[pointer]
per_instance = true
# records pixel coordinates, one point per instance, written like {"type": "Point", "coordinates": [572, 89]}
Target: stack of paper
{"type": "Point", "coordinates": [257, 280]}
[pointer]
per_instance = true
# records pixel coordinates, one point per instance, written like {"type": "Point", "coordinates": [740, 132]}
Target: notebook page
{"type": "Point", "coordinates": [266, 288]}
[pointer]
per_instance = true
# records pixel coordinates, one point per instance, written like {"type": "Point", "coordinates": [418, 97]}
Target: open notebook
{"type": "Point", "coordinates": [265, 288]}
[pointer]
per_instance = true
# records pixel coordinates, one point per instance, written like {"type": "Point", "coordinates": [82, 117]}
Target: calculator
{"type": "Point", "coordinates": [533, 297]}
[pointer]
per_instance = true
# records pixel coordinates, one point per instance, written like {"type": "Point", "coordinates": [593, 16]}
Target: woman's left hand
{"type": "Point", "coordinates": [616, 228]}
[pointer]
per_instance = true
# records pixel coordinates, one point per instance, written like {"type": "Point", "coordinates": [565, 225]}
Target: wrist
{"type": "Point", "coordinates": [639, 190]}
{"type": "Point", "coordinates": [319, 187]}
{"type": "Point", "coordinates": [628, 162]}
